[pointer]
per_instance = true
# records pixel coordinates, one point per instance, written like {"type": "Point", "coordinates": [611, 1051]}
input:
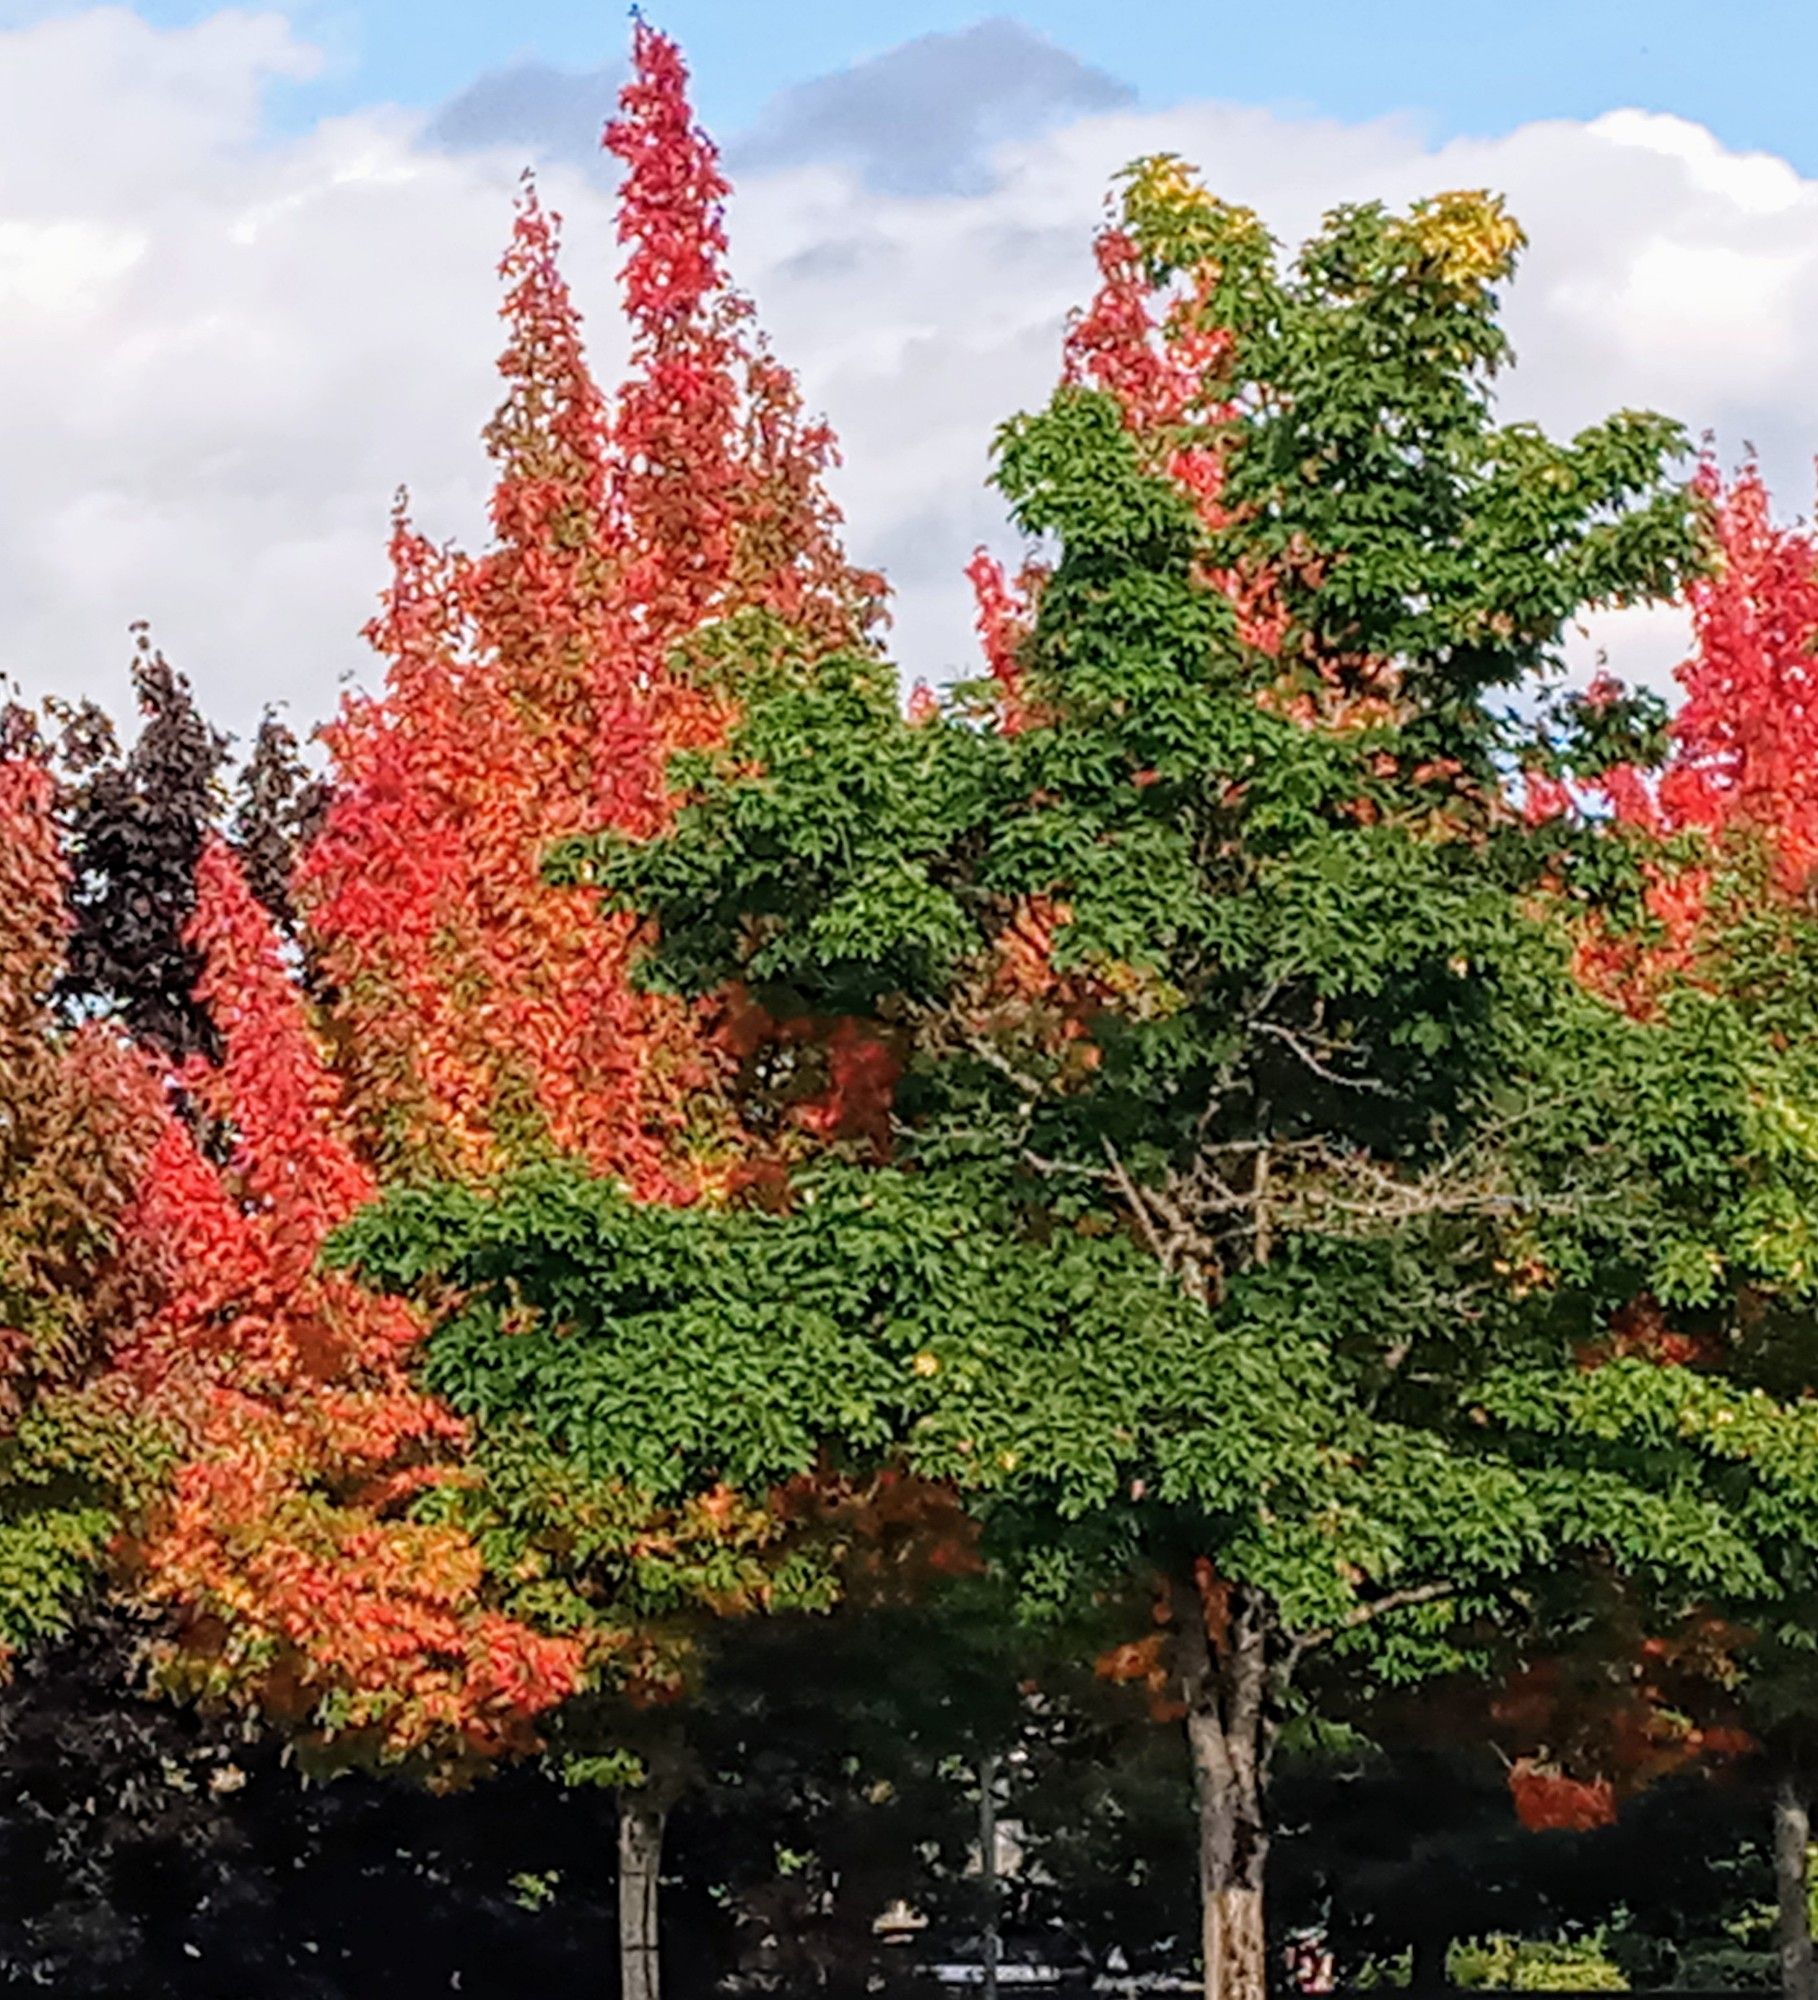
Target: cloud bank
{"type": "Point", "coordinates": [224, 349]}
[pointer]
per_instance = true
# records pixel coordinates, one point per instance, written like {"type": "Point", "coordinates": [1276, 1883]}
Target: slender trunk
{"type": "Point", "coordinates": [1427, 1970]}
{"type": "Point", "coordinates": [1263, 1245]}
{"type": "Point", "coordinates": [641, 1821]}
{"type": "Point", "coordinates": [1226, 1702]}
{"type": "Point", "coordinates": [1792, 1844]}
{"type": "Point", "coordinates": [987, 1852]}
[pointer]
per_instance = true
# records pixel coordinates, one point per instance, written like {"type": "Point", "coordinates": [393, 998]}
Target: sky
{"type": "Point", "coordinates": [247, 260]}
{"type": "Point", "coordinates": [1475, 68]}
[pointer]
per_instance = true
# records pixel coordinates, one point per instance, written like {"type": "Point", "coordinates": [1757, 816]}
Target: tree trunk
{"type": "Point", "coordinates": [1428, 1962]}
{"type": "Point", "coordinates": [987, 1857]}
{"type": "Point", "coordinates": [1792, 1842]}
{"type": "Point", "coordinates": [641, 1821]}
{"type": "Point", "coordinates": [1226, 1700]}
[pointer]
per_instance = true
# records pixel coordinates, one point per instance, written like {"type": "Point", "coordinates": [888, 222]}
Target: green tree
{"type": "Point", "coordinates": [1243, 1110]}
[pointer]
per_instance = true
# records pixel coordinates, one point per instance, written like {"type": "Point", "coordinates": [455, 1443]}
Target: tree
{"type": "Point", "coordinates": [78, 1113]}
{"type": "Point", "coordinates": [535, 692]}
{"type": "Point", "coordinates": [282, 1543]}
{"type": "Point", "coordinates": [115, 1814]}
{"type": "Point", "coordinates": [1167, 1095]}
{"type": "Point", "coordinates": [648, 553]}
{"type": "Point", "coordinates": [1713, 943]}
{"type": "Point", "coordinates": [531, 690]}
{"type": "Point", "coordinates": [135, 823]}
{"type": "Point", "coordinates": [1240, 1115]}
{"type": "Point", "coordinates": [1396, 1830]}
{"type": "Point", "coordinates": [100, 851]}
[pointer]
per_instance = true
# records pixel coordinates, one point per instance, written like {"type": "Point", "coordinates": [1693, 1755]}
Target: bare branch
{"type": "Point", "coordinates": [987, 1052]}
{"type": "Point", "coordinates": [1056, 1168]}
{"type": "Point", "coordinates": [1361, 1615]}
{"type": "Point", "coordinates": [1133, 1196]}
{"type": "Point", "coordinates": [1312, 1059]}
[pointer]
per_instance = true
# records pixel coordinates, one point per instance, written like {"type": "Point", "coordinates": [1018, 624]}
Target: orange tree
{"type": "Point", "coordinates": [1217, 1118]}
{"type": "Point", "coordinates": [78, 1115]}
{"type": "Point", "coordinates": [535, 692]}
{"type": "Point", "coordinates": [395, 1575]}
{"type": "Point", "coordinates": [99, 855]}
{"type": "Point", "coordinates": [217, 1424]}
{"type": "Point", "coordinates": [100, 851]}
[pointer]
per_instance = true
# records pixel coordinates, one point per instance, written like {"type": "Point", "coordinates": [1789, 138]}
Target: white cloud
{"type": "Point", "coordinates": [63, 269]}
{"type": "Point", "coordinates": [222, 350]}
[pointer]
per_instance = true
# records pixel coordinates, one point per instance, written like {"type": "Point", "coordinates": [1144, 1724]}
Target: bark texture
{"type": "Point", "coordinates": [641, 1822]}
{"type": "Point", "coordinates": [1225, 1684]}
{"type": "Point", "coordinates": [1792, 1846]}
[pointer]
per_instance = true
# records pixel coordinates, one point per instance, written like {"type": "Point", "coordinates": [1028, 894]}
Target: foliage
{"type": "Point", "coordinates": [1713, 946]}
{"type": "Point", "coordinates": [282, 1542]}
{"type": "Point", "coordinates": [1246, 1190]}
{"type": "Point", "coordinates": [77, 1116]}
{"type": "Point", "coordinates": [1227, 1125]}
{"type": "Point", "coordinates": [1227, 953]}
{"type": "Point", "coordinates": [330, 1544]}
{"type": "Point", "coordinates": [135, 825]}
{"type": "Point", "coordinates": [536, 691]}
{"type": "Point", "coordinates": [1535, 1966]}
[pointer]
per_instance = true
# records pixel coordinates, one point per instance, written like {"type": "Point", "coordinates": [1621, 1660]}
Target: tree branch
{"type": "Point", "coordinates": [1305, 1051]}
{"type": "Point", "coordinates": [1133, 1195]}
{"type": "Point", "coordinates": [1361, 1615]}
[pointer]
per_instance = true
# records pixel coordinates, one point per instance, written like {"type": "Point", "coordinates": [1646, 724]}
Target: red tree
{"type": "Point", "coordinates": [78, 1114]}
{"type": "Point", "coordinates": [643, 554]}
{"type": "Point", "coordinates": [1731, 817]}
{"type": "Point", "coordinates": [471, 1014]}
{"type": "Point", "coordinates": [284, 1547]}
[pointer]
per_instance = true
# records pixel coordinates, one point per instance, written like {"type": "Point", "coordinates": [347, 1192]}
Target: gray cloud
{"type": "Point", "coordinates": [924, 118]}
{"type": "Point", "coordinates": [535, 110]}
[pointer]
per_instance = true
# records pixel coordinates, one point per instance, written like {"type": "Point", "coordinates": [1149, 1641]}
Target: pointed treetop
{"type": "Point", "coordinates": [1746, 737]}
{"type": "Point", "coordinates": [672, 206]}
{"type": "Point", "coordinates": [549, 436]}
